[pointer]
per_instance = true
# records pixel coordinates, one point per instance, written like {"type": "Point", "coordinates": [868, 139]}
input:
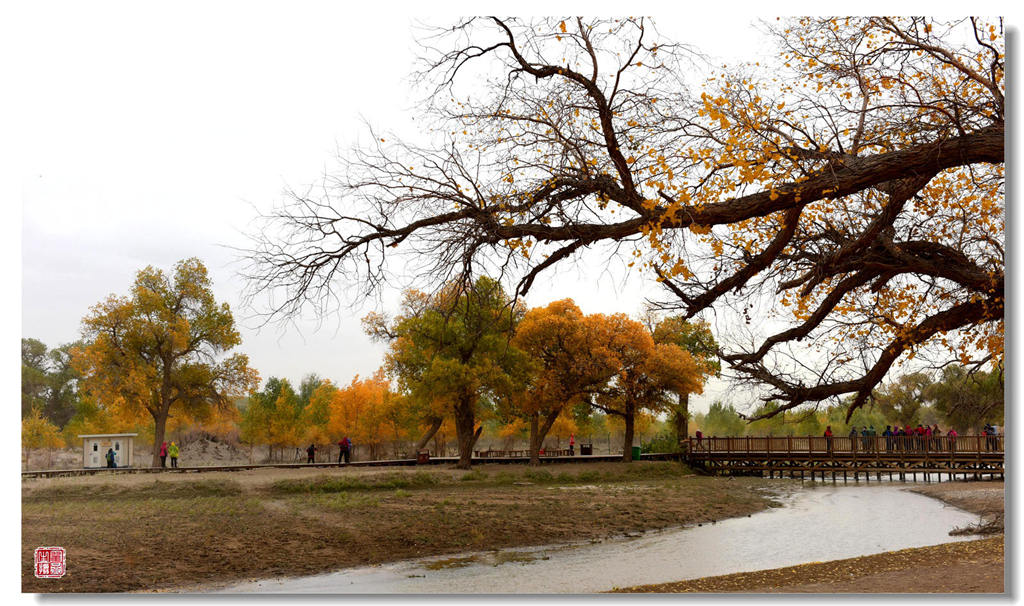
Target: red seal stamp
{"type": "Point", "coordinates": [51, 562]}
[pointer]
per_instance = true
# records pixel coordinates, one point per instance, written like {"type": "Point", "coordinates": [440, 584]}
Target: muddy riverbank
{"type": "Point", "coordinates": [186, 531]}
{"type": "Point", "coordinates": [816, 523]}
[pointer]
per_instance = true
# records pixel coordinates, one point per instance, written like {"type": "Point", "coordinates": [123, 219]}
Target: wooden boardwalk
{"type": "Point", "coordinates": [844, 458]}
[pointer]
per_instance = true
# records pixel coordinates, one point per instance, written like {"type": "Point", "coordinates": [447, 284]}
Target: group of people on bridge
{"type": "Point", "coordinates": [910, 439]}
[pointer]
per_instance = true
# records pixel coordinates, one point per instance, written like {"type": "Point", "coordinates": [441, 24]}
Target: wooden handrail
{"type": "Point", "coordinates": [872, 446]}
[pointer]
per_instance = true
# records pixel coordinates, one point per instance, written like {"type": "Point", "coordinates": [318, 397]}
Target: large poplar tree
{"type": "Point", "coordinates": [850, 189]}
{"type": "Point", "coordinates": [450, 350]}
{"type": "Point", "coordinates": [159, 350]}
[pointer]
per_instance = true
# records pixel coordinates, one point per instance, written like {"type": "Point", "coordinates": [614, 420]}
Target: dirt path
{"type": "Point", "coordinates": [136, 533]}
{"type": "Point", "coordinates": [965, 567]}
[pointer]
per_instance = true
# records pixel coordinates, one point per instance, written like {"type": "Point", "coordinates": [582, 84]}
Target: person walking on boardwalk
{"type": "Point", "coordinates": [110, 458]}
{"type": "Point", "coordinates": [888, 438]}
{"type": "Point", "coordinates": [572, 445]}
{"type": "Point", "coordinates": [311, 454]}
{"type": "Point", "coordinates": [344, 448]}
{"type": "Point", "coordinates": [937, 437]}
{"type": "Point", "coordinates": [951, 436]}
{"type": "Point", "coordinates": [173, 451]}
{"type": "Point", "coordinates": [163, 455]}
{"type": "Point", "coordinates": [853, 438]}
{"type": "Point", "coordinates": [828, 438]}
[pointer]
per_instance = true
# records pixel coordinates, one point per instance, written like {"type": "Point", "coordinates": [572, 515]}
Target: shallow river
{"type": "Point", "coordinates": [817, 523]}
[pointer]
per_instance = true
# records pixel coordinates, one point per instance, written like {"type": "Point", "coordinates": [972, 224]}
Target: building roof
{"type": "Point", "coordinates": [109, 435]}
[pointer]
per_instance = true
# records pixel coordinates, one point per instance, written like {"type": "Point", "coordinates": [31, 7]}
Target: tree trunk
{"type": "Point", "coordinates": [682, 419]}
{"type": "Point", "coordinates": [435, 424]}
{"type": "Point", "coordinates": [534, 439]}
{"type": "Point", "coordinates": [159, 429]}
{"type": "Point", "coordinates": [464, 421]}
{"type": "Point", "coordinates": [537, 434]}
{"type": "Point", "coordinates": [627, 439]}
{"type": "Point", "coordinates": [476, 437]}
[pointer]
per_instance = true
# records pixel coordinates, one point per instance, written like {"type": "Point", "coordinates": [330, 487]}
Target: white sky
{"type": "Point", "coordinates": [145, 137]}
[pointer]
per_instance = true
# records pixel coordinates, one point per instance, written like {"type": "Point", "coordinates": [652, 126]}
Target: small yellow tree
{"type": "Point", "coordinates": [38, 432]}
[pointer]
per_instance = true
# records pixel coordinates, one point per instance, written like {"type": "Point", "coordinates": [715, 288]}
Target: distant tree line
{"type": "Point", "coordinates": [954, 397]}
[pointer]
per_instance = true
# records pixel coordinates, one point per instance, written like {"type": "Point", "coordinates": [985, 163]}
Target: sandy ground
{"type": "Point", "coordinates": [196, 530]}
{"type": "Point", "coordinates": [966, 567]}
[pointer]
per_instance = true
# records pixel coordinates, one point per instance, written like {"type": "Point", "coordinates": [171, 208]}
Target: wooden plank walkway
{"type": "Point", "coordinates": [900, 457]}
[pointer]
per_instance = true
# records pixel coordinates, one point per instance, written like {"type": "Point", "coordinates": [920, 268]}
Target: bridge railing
{"type": "Point", "coordinates": [975, 444]}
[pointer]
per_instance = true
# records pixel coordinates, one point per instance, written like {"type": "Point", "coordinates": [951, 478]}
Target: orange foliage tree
{"type": "Point", "coordinates": [570, 365]}
{"type": "Point", "coordinates": [646, 373]}
{"type": "Point", "coordinates": [370, 413]}
{"type": "Point", "coordinates": [154, 352]}
{"type": "Point", "coordinates": [851, 187]}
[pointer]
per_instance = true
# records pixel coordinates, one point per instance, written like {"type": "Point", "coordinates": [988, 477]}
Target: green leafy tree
{"type": "Point", "coordinates": [968, 400]}
{"type": "Point", "coordinates": [901, 400]}
{"type": "Point", "coordinates": [451, 352]}
{"type": "Point", "coordinates": [63, 379]}
{"type": "Point", "coordinates": [722, 420]}
{"type": "Point", "coordinates": [34, 379]}
{"type": "Point", "coordinates": [307, 386]}
{"type": "Point", "coordinates": [49, 380]}
{"type": "Point", "coordinates": [274, 417]}
{"type": "Point", "coordinates": [696, 338]}
{"type": "Point", "coordinates": [768, 423]}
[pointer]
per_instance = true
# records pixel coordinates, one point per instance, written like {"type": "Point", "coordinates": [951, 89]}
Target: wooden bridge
{"type": "Point", "coordinates": [897, 457]}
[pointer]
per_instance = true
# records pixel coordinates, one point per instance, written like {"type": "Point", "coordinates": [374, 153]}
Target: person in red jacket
{"type": "Point", "coordinates": [572, 445]}
{"type": "Point", "coordinates": [163, 455]}
{"type": "Point", "coordinates": [828, 438]}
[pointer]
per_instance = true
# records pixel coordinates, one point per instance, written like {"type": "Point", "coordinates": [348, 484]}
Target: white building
{"type": "Point", "coordinates": [95, 447]}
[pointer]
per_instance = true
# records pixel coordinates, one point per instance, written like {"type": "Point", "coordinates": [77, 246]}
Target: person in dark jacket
{"type": "Point", "coordinates": [110, 458]}
{"type": "Point", "coordinates": [311, 454]}
{"type": "Point", "coordinates": [344, 449]}
{"type": "Point", "coordinates": [888, 438]}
